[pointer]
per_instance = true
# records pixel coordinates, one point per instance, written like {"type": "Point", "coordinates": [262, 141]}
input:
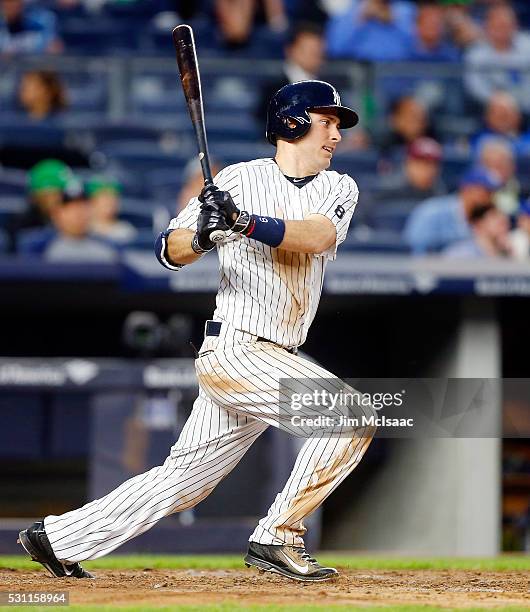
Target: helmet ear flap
{"type": "Point", "coordinates": [295, 127]}
{"type": "Point", "coordinates": [289, 122]}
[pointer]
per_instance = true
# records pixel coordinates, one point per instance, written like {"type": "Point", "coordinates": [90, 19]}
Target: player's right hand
{"type": "Point", "coordinates": [213, 196]}
{"type": "Point", "coordinates": [237, 220]}
{"type": "Point", "coordinates": [210, 219]}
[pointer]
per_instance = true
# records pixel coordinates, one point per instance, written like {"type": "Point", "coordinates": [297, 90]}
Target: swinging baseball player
{"type": "Point", "coordinates": [284, 219]}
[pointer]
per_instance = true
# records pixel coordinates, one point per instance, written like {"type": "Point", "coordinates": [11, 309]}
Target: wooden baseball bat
{"type": "Point", "coordinates": [191, 84]}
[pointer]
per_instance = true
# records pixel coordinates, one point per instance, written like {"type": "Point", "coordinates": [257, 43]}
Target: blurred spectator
{"type": "Point", "coordinates": [371, 30]}
{"type": "Point", "coordinates": [304, 56]}
{"type": "Point", "coordinates": [46, 180]}
{"type": "Point", "coordinates": [463, 30]}
{"type": "Point", "coordinates": [489, 235]}
{"type": "Point", "coordinates": [419, 176]}
{"type": "Point", "coordinates": [70, 240]}
{"type": "Point", "coordinates": [193, 181]}
{"type": "Point", "coordinates": [41, 94]}
{"type": "Point", "coordinates": [429, 43]}
{"type": "Point", "coordinates": [440, 221]}
{"type": "Point", "coordinates": [26, 29]}
{"type": "Point", "coordinates": [503, 118]}
{"type": "Point", "coordinates": [104, 196]}
{"type": "Point", "coordinates": [520, 236]}
{"type": "Point", "coordinates": [236, 18]}
{"type": "Point", "coordinates": [501, 61]}
{"type": "Point", "coordinates": [408, 121]}
{"type": "Point", "coordinates": [497, 156]}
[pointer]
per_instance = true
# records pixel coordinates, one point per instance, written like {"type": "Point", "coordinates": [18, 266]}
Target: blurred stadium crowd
{"type": "Point", "coordinates": [96, 152]}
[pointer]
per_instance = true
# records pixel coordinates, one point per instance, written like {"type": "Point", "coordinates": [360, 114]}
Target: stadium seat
{"type": "Point", "coordinates": [4, 241]}
{"type": "Point", "coordinates": [164, 183]}
{"type": "Point", "coordinates": [20, 132]}
{"type": "Point", "coordinates": [144, 241]}
{"type": "Point", "coordinates": [155, 92]}
{"type": "Point", "coordinates": [12, 182]}
{"type": "Point", "coordinates": [235, 152]}
{"type": "Point", "coordinates": [355, 162]}
{"type": "Point", "coordinates": [366, 239]}
{"type": "Point", "coordinates": [389, 216]}
{"type": "Point", "coordinates": [98, 36]}
{"type": "Point", "coordinates": [10, 206]}
{"type": "Point", "coordinates": [138, 212]}
{"type": "Point", "coordinates": [133, 130]}
{"type": "Point", "coordinates": [142, 156]}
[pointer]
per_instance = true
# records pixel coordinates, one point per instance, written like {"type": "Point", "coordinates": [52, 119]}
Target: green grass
{"type": "Point", "coordinates": [139, 562]}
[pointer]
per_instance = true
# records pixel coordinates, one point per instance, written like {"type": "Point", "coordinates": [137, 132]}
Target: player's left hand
{"type": "Point", "coordinates": [212, 196]}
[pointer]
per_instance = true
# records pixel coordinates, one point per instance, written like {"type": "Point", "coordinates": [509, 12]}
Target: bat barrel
{"type": "Point", "coordinates": [191, 84]}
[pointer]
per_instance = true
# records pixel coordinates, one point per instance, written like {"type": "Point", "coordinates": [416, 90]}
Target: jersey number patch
{"type": "Point", "coordinates": [339, 211]}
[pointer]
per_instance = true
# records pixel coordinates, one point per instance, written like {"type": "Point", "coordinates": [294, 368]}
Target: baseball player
{"type": "Point", "coordinates": [284, 219]}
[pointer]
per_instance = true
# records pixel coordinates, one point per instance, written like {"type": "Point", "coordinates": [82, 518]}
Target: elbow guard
{"type": "Point", "coordinates": [161, 251]}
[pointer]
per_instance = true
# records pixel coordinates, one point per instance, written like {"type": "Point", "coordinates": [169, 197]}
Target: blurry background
{"type": "Point", "coordinates": [97, 155]}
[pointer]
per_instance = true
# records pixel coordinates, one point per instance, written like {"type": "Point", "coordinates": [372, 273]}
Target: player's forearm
{"type": "Point", "coordinates": [179, 248]}
{"type": "Point", "coordinates": [308, 236]}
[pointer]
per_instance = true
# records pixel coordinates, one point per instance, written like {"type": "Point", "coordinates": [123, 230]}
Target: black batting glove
{"type": "Point", "coordinates": [237, 220]}
{"type": "Point", "coordinates": [210, 219]}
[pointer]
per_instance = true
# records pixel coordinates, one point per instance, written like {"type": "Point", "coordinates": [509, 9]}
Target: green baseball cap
{"type": "Point", "coordinates": [49, 174]}
{"type": "Point", "coordinates": [102, 183]}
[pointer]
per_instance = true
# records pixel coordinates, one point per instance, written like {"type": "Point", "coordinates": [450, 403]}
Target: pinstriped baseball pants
{"type": "Point", "coordinates": [239, 382]}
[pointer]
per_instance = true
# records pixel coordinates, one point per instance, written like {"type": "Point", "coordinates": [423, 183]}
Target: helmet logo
{"type": "Point", "coordinates": [300, 120]}
{"type": "Point", "coordinates": [336, 97]}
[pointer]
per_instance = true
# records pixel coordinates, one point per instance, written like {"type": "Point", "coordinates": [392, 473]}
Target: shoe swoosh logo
{"type": "Point", "coordinates": [303, 569]}
{"type": "Point", "coordinates": [67, 571]}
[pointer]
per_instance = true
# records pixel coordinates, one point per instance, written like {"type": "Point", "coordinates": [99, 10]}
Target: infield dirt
{"type": "Point", "coordinates": [447, 588]}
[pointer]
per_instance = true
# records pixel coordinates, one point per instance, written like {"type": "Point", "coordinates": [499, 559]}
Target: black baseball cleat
{"type": "Point", "coordinates": [35, 542]}
{"type": "Point", "coordinates": [291, 561]}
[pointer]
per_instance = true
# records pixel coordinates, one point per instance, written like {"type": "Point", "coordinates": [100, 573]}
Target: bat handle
{"type": "Point", "coordinates": [217, 236]}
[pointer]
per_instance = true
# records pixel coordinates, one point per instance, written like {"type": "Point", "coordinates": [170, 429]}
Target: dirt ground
{"type": "Point", "coordinates": [163, 587]}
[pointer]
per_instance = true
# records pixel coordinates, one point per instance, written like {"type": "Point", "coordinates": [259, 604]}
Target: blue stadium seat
{"type": "Point", "coordinates": [134, 130]}
{"type": "Point", "coordinates": [98, 36]}
{"type": "Point", "coordinates": [139, 212]}
{"type": "Point", "coordinates": [22, 133]}
{"type": "Point", "coordinates": [164, 183]}
{"type": "Point", "coordinates": [4, 241]}
{"type": "Point", "coordinates": [12, 182]}
{"type": "Point", "coordinates": [144, 241]}
{"type": "Point", "coordinates": [389, 216]}
{"type": "Point", "coordinates": [157, 38]}
{"type": "Point", "coordinates": [234, 127]}
{"type": "Point", "coordinates": [365, 239]}
{"type": "Point", "coordinates": [153, 92]}
{"type": "Point", "coordinates": [142, 156]}
{"type": "Point", "coordinates": [235, 152]}
{"type": "Point", "coordinates": [355, 162]}
{"type": "Point", "coordinates": [10, 206]}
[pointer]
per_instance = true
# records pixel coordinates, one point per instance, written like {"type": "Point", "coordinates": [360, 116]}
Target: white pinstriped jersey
{"type": "Point", "coordinates": [265, 291]}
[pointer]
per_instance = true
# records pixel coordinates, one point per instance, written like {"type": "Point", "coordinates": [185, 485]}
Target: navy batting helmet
{"type": "Point", "coordinates": [291, 104]}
